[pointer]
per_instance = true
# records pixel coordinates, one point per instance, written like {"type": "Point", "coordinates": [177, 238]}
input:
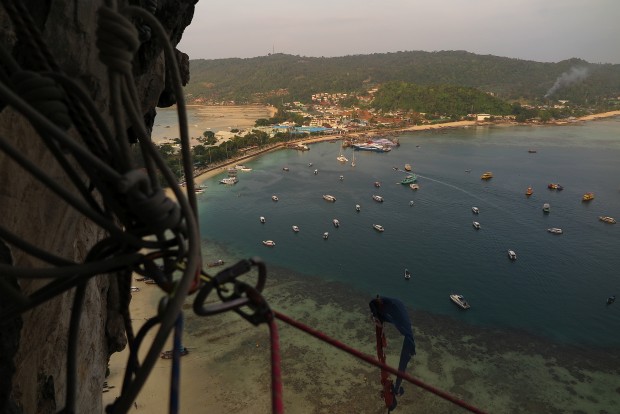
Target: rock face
{"type": "Point", "coordinates": [33, 347]}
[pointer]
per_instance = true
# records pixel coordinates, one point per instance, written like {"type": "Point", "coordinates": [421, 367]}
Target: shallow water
{"type": "Point", "coordinates": [538, 338]}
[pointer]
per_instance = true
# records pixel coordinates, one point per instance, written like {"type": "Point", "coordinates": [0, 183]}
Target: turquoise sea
{"type": "Point", "coordinates": [539, 328]}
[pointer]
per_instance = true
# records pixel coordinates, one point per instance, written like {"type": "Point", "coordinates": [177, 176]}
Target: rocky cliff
{"type": "Point", "coordinates": [33, 347]}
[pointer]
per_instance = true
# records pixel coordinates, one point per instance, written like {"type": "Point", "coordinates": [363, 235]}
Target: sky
{"type": "Point", "coordinates": [538, 30]}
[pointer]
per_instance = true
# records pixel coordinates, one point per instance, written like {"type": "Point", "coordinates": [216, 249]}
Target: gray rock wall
{"type": "Point", "coordinates": [34, 357]}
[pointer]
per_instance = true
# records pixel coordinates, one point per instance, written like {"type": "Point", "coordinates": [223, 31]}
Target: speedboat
{"type": "Point", "coordinates": [611, 299]}
{"type": "Point", "coordinates": [411, 203]}
{"type": "Point", "coordinates": [414, 186]}
{"type": "Point", "coordinates": [532, 151]}
{"type": "Point", "coordinates": [460, 301]}
{"type": "Point", "coordinates": [476, 225]}
{"type": "Point", "coordinates": [487, 175]}
{"type": "Point", "coordinates": [295, 229]}
{"type": "Point", "coordinates": [512, 255]}
{"type": "Point", "coordinates": [555, 230]}
{"type": "Point", "coordinates": [342, 158]}
{"type": "Point", "coordinates": [607, 219]}
{"type": "Point", "coordinates": [316, 172]}
{"type": "Point", "coordinates": [546, 208]}
{"type": "Point", "coordinates": [377, 184]}
{"type": "Point", "coordinates": [407, 167]}
{"type": "Point", "coordinates": [587, 197]}
{"type": "Point", "coordinates": [309, 164]}
{"type": "Point", "coordinates": [407, 274]}
{"type": "Point", "coordinates": [555, 186]}
{"type": "Point", "coordinates": [274, 197]}
{"type": "Point", "coordinates": [325, 235]}
{"type": "Point", "coordinates": [285, 168]}
{"type": "Point", "coordinates": [529, 191]}
{"type": "Point", "coordinates": [199, 191]}
{"type": "Point", "coordinates": [378, 227]}
{"type": "Point", "coordinates": [358, 207]}
{"type": "Point", "coordinates": [377, 198]}
{"type": "Point", "coordinates": [262, 219]}
{"type": "Point", "coordinates": [269, 243]}
{"type": "Point", "coordinates": [329, 198]}
{"type": "Point", "coordinates": [341, 177]}
{"type": "Point", "coordinates": [229, 180]}
{"type": "Point", "coordinates": [336, 223]}
{"type": "Point", "coordinates": [475, 210]}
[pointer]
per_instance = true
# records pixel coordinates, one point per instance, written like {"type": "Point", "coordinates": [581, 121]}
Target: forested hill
{"type": "Point", "coordinates": [280, 77]}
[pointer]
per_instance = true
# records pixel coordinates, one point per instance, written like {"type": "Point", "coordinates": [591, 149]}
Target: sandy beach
{"type": "Point", "coordinates": [228, 365]}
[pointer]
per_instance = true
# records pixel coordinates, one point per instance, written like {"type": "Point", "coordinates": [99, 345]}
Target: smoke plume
{"type": "Point", "coordinates": [575, 74]}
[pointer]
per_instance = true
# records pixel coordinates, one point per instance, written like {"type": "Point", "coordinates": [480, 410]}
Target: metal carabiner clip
{"type": "Point", "coordinates": [235, 299]}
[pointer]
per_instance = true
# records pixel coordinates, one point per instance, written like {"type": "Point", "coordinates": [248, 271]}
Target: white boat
{"type": "Point", "coordinates": [262, 219]}
{"type": "Point", "coordinates": [378, 227]}
{"type": "Point", "coordinates": [229, 180]}
{"type": "Point", "coordinates": [309, 164]}
{"type": "Point", "coordinates": [546, 208]}
{"type": "Point", "coordinates": [377, 198]}
{"type": "Point", "coordinates": [353, 162]}
{"type": "Point", "coordinates": [342, 158]}
{"type": "Point", "coordinates": [407, 274]}
{"type": "Point", "coordinates": [476, 225]}
{"type": "Point", "coordinates": [295, 229]}
{"type": "Point", "coordinates": [411, 203]}
{"type": "Point", "coordinates": [274, 197]}
{"type": "Point", "coordinates": [199, 191]}
{"type": "Point", "coordinates": [414, 186]}
{"type": "Point", "coordinates": [459, 300]}
{"type": "Point", "coordinates": [555, 230]}
{"type": "Point", "coordinates": [358, 207]}
{"type": "Point", "coordinates": [377, 184]}
{"type": "Point", "coordinates": [325, 235]}
{"type": "Point", "coordinates": [336, 222]}
{"type": "Point", "coordinates": [341, 177]}
{"type": "Point", "coordinates": [329, 197]}
{"type": "Point", "coordinates": [269, 243]}
{"type": "Point", "coordinates": [475, 210]}
{"type": "Point", "coordinates": [607, 219]}
{"type": "Point", "coordinates": [316, 172]}
{"type": "Point", "coordinates": [512, 255]}
{"type": "Point", "coordinates": [285, 168]}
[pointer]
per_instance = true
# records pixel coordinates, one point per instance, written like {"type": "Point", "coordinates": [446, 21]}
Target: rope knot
{"type": "Point", "coordinates": [153, 208]}
{"type": "Point", "coordinates": [44, 94]}
{"type": "Point", "coordinates": [117, 40]}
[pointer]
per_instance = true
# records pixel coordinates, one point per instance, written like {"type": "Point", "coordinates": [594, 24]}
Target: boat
{"type": "Point", "coordinates": [336, 223]}
{"type": "Point", "coordinates": [529, 191]}
{"type": "Point", "coordinates": [342, 158]}
{"type": "Point", "coordinates": [532, 151]}
{"type": "Point", "coordinates": [607, 219]}
{"type": "Point", "coordinates": [358, 207]}
{"type": "Point", "coordinates": [274, 197]}
{"type": "Point", "coordinates": [353, 161]}
{"type": "Point", "coordinates": [378, 227]}
{"type": "Point", "coordinates": [555, 186]}
{"type": "Point", "coordinates": [407, 274]}
{"type": "Point", "coordinates": [611, 299]}
{"type": "Point", "coordinates": [587, 197]}
{"type": "Point", "coordinates": [512, 255]}
{"type": "Point", "coordinates": [285, 169]}
{"type": "Point", "coordinates": [414, 186]}
{"type": "Point", "coordinates": [555, 230]}
{"type": "Point", "coordinates": [169, 354]}
{"type": "Point", "coordinates": [329, 198]}
{"type": "Point", "coordinates": [487, 175]}
{"type": "Point", "coordinates": [475, 210]}
{"type": "Point", "coordinates": [229, 180]}
{"type": "Point", "coordinates": [546, 208]}
{"type": "Point", "coordinates": [269, 243]}
{"type": "Point", "coordinates": [411, 203]}
{"type": "Point", "coordinates": [199, 191]}
{"type": "Point", "coordinates": [309, 164]}
{"type": "Point", "coordinates": [316, 172]}
{"type": "Point", "coordinates": [371, 147]}
{"type": "Point", "coordinates": [325, 235]}
{"type": "Point", "coordinates": [377, 198]}
{"type": "Point", "coordinates": [341, 177]}
{"type": "Point", "coordinates": [135, 289]}
{"type": "Point", "coordinates": [476, 225]}
{"type": "Point", "coordinates": [377, 184]}
{"type": "Point", "coordinates": [409, 179]}
{"type": "Point", "coordinates": [407, 167]}
{"type": "Point", "coordinates": [215, 263]}
{"type": "Point", "coordinates": [460, 301]}
{"type": "Point", "coordinates": [295, 229]}
{"type": "Point", "coordinates": [262, 219]}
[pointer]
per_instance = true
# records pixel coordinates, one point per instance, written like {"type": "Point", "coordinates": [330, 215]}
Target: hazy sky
{"type": "Point", "coordinates": [540, 30]}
